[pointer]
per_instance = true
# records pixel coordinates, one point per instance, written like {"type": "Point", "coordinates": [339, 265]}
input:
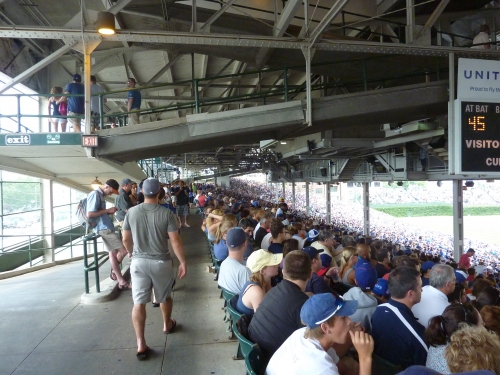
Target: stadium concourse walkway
{"type": "Point", "coordinates": [44, 329]}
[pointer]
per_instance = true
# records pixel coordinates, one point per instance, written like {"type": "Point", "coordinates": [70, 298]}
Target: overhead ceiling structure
{"type": "Point", "coordinates": [347, 63]}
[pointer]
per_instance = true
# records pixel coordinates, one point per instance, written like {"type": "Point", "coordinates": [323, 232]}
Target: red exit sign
{"type": "Point", "coordinates": [89, 140]}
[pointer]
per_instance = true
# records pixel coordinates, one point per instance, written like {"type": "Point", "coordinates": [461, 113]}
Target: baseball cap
{"type": "Point", "coordinates": [151, 186]}
{"type": "Point", "coordinates": [461, 276]}
{"type": "Point", "coordinates": [366, 276]}
{"type": "Point", "coordinates": [126, 181]}
{"type": "Point", "coordinates": [113, 184]}
{"type": "Point", "coordinates": [312, 234]}
{"type": "Point", "coordinates": [426, 266]}
{"type": "Point", "coordinates": [235, 237]}
{"type": "Point", "coordinates": [311, 251]}
{"type": "Point", "coordinates": [262, 258]}
{"type": "Point", "coordinates": [380, 288]}
{"type": "Point", "coordinates": [282, 200]}
{"type": "Point", "coordinates": [77, 77]}
{"type": "Point", "coordinates": [321, 307]}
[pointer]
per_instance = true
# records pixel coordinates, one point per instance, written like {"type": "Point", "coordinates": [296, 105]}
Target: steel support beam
{"type": "Point", "coordinates": [325, 22]}
{"type": "Point", "coordinates": [434, 17]}
{"type": "Point", "coordinates": [38, 66]}
{"type": "Point", "coordinates": [458, 220]}
{"type": "Point", "coordinates": [115, 9]}
{"type": "Point", "coordinates": [308, 210]}
{"type": "Point", "coordinates": [410, 20]}
{"type": "Point", "coordinates": [366, 208]}
{"type": "Point", "coordinates": [216, 15]}
{"type": "Point", "coordinates": [328, 203]}
{"type": "Point", "coordinates": [168, 37]}
{"type": "Point", "coordinates": [163, 70]}
{"type": "Point", "coordinates": [293, 196]}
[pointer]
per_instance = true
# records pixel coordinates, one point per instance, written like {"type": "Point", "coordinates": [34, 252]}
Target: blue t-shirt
{"type": "Point", "coordinates": [221, 251]}
{"type": "Point", "coordinates": [96, 202]}
{"type": "Point", "coordinates": [76, 104]}
{"type": "Point", "coordinates": [136, 95]}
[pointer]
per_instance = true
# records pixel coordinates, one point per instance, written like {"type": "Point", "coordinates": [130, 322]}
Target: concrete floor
{"type": "Point", "coordinates": [45, 330]}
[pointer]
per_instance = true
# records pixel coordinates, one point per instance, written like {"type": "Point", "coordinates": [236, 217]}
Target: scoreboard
{"type": "Point", "coordinates": [479, 137]}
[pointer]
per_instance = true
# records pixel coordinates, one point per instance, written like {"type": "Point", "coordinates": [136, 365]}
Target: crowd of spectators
{"type": "Point", "coordinates": [322, 298]}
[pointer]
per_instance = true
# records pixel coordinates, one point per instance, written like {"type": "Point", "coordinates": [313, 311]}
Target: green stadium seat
{"type": "Point", "coordinates": [380, 366]}
{"type": "Point", "coordinates": [255, 362]}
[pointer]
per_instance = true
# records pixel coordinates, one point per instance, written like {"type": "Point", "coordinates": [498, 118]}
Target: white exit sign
{"type": "Point", "coordinates": [89, 140]}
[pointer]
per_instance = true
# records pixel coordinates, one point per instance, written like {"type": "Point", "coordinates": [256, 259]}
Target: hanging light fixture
{"type": "Point", "coordinates": [96, 183]}
{"type": "Point", "coordinates": [105, 23]}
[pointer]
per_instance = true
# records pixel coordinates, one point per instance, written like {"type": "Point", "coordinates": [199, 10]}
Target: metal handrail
{"type": "Point", "coordinates": [284, 90]}
{"type": "Point", "coordinates": [95, 264]}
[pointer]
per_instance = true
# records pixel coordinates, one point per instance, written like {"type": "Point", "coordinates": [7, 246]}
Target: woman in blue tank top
{"type": "Point", "coordinates": [264, 266]}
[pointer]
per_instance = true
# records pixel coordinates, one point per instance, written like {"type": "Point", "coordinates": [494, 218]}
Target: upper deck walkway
{"type": "Point", "coordinates": [44, 330]}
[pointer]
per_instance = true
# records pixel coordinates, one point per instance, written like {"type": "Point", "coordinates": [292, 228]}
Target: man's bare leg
{"type": "Point", "coordinates": [166, 311]}
{"type": "Point", "coordinates": [139, 321]}
{"type": "Point", "coordinates": [115, 266]}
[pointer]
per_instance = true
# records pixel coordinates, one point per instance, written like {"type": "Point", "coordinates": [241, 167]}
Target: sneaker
{"type": "Point", "coordinates": [187, 226]}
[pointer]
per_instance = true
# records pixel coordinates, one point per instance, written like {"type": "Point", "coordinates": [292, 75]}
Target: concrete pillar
{"type": "Point", "coordinates": [458, 220]}
{"type": "Point", "coordinates": [328, 203]}
{"type": "Point", "coordinates": [284, 196]}
{"type": "Point", "coordinates": [48, 221]}
{"type": "Point", "coordinates": [410, 20]}
{"type": "Point", "coordinates": [366, 208]}
{"type": "Point", "coordinates": [307, 199]}
{"type": "Point", "coordinates": [293, 196]}
{"type": "Point", "coordinates": [276, 192]}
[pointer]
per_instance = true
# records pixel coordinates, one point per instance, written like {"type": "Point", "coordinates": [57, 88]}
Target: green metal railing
{"type": "Point", "coordinates": [264, 85]}
{"type": "Point", "coordinates": [98, 261]}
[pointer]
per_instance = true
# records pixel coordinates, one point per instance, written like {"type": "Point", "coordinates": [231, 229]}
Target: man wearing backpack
{"type": "Point", "coordinates": [96, 209]}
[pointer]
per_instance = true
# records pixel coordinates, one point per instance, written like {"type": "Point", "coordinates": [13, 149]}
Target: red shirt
{"type": "Point", "coordinates": [464, 261]}
{"type": "Point", "coordinates": [202, 200]}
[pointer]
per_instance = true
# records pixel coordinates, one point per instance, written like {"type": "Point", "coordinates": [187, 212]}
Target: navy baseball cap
{"type": "Point", "coordinates": [426, 266]}
{"type": "Point", "coordinates": [77, 77]}
{"type": "Point", "coordinates": [366, 276]}
{"type": "Point", "coordinates": [321, 307]}
{"type": "Point", "coordinates": [311, 251]}
{"type": "Point", "coordinates": [235, 237]}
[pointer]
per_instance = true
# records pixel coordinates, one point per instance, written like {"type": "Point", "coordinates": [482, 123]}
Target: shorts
{"type": "Point", "coordinates": [75, 121]}
{"type": "Point", "coordinates": [134, 118]}
{"type": "Point", "coordinates": [150, 274]}
{"type": "Point", "coordinates": [110, 240]}
{"type": "Point", "coordinates": [59, 120]}
{"type": "Point", "coordinates": [182, 210]}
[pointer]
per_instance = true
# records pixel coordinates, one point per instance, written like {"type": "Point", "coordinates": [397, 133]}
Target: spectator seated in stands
{"type": "Point", "coordinates": [220, 247]}
{"type": "Point", "coordinates": [233, 274]}
{"type": "Point", "coordinates": [248, 226]}
{"type": "Point", "coordinates": [277, 237]}
{"type": "Point", "coordinates": [398, 336]}
{"type": "Point", "coordinates": [489, 296]}
{"type": "Point", "coordinates": [325, 243]}
{"type": "Point", "coordinates": [435, 296]}
{"type": "Point", "coordinates": [383, 258]}
{"type": "Point", "coordinates": [312, 236]}
{"type": "Point", "coordinates": [425, 269]}
{"type": "Point", "coordinates": [309, 350]}
{"type": "Point", "coordinates": [440, 329]}
{"type": "Point", "coordinates": [491, 318]}
{"type": "Point", "coordinates": [366, 279]}
{"type": "Point", "coordinates": [263, 265]}
{"type": "Point", "coordinates": [316, 284]}
{"type": "Point", "coordinates": [473, 348]}
{"type": "Point", "coordinates": [347, 263]}
{"type": "Point", "coordinates": [262, 230]}
{"type": "Point", "coordinates": [278, 315]}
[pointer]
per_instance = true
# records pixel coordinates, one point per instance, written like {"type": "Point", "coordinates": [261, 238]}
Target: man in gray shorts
{"type": "Point", "coordinates": [96, 209]}
{"type": "Point", "coordinates": [146, 230]}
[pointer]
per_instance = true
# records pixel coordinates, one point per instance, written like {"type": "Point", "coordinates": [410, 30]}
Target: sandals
{"type": "Point", "coordinates": [112, 275]}
{"type": "Point", "coordinates": [125, 286]}
{"type": "Point", "coordinates": [141, 356]}
{"type": "Point", "coordinates": [172, 329]}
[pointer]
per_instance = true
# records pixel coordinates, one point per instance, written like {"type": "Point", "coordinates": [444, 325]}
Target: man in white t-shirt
{"type": "Point", "coordinates": [309, 350]}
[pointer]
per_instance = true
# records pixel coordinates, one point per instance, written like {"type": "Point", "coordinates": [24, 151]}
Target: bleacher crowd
{"type": "Point", "coordinates": [325, 299]}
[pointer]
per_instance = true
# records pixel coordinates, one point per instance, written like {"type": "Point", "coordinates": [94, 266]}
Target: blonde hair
{"type": "Point", "coordinates": [228, 221]}
{"type": "Point", "coordinates": [56, 90]}
{"type": "Point", "coordinates": [347, 253]}
{"type": "Point", "coordinates": [258, 278]}
{"type": "Point", "coordinates": [473, 348]}
{"type": "Point", "coordinates": [317, 333]}
{"type": "Point", "coordinates": [210, 220]}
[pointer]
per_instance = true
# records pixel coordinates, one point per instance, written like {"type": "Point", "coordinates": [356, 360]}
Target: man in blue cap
{"type": "Point", "coordinates": [310, 350]}
{"type": "Point", "coordinates": [76, 104]}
